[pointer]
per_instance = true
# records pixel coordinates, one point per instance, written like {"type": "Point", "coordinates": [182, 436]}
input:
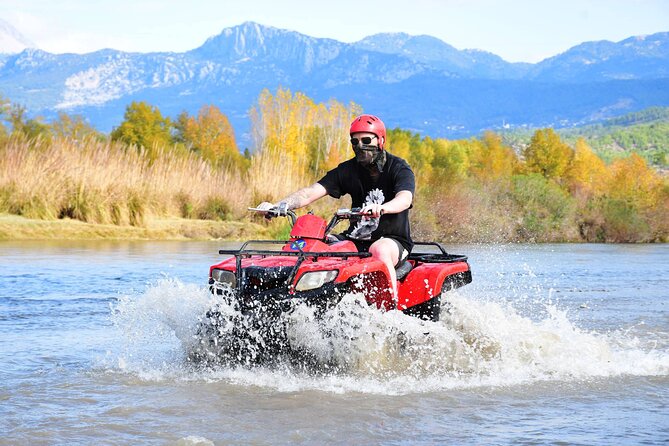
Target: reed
{"type": "Point", "coordinates": [107, 182]}
{"type": "Point", "coordinates": [273, 175]}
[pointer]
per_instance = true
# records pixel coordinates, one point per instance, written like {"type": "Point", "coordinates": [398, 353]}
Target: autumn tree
{"type": "Point", "coordinates": [301, 130]}
{"type": "Point", "coordinates": [329, 140]}
{"type": "Point", "coordinates": [296, 140]}
{"type": "Point", "coordinates": [548, 155]}
{"type": "Point", "coordinates": [587, 172]}
{"type": "Point", "coordinates": [143, 126]}
{"type": "Point", "coordinates": [280, 121]}
{"type": "Point", "coordinates": [491, 159]}
{"type": "Point", "coordinates": [451, 158]}
{"type": "Point", "coordinates": [73, 127]}
{"type": "Point", "coordinates": [211, 135]}
{"type": "Point", "coordinates": [634, 183]}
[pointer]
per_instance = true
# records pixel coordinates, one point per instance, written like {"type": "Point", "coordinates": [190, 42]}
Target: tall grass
{"type": "Point", "coordinates": [273, 175]}
{"type": "Point", "coordinates": [107, 182]}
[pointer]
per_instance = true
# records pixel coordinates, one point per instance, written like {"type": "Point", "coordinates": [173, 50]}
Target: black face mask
{"type": "Point", "coordinates": [367, 156]}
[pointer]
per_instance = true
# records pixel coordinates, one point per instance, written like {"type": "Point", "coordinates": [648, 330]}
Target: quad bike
{"type": "Point", "coordinates": [261, 284]}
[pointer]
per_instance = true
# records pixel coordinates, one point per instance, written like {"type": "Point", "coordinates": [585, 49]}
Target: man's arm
{"type": "Point", "coordinates": [398, 204]}
{"type": "Point", "coordinates": [301, 198]}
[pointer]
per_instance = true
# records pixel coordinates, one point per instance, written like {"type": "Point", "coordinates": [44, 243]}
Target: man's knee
{"type": "Point", "coordinates": [385, 250]}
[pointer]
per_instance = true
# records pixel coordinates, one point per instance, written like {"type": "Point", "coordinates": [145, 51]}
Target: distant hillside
{"type": "Point", "coordinates": [645, 132]}
{"type": "Point", "coordinates": [419, 83]}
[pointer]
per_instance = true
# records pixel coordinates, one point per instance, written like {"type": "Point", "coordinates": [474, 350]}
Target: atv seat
{"type": "Point", "coordinates": [403, 269]}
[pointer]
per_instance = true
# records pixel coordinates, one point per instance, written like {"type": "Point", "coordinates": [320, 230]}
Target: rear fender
{"type": "Point", "coordinates": [426, 281]}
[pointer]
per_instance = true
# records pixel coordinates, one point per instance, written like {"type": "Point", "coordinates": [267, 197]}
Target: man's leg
{"type": "Point", "coordinates": [388, 252]}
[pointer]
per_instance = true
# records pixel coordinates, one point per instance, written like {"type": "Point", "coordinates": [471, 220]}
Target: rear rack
{"type": "Point", "coordinates": [441, 257]}
{"type": "Point", "coordinates": [242, 253]}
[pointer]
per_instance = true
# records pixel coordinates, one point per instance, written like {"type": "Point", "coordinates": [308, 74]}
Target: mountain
{"type": "Point", "coordinates": [640, 57]}
{"type": "Point", "coordinates": [415, 82]}
{"type": "Point", "coordinates": [438, 54]}
{"type": "Point", "coordinates": [11, 40]}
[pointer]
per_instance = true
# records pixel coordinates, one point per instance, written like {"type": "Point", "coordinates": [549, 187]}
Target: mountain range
{"type": "Point", "coordinates": [418, 83]}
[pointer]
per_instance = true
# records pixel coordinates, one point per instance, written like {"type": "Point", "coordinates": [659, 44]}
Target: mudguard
{"type": "Point", "coordinates": [427, 281]}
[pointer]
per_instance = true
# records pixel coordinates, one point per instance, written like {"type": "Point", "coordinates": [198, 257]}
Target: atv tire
{"type": "Point", "coordinates": [428, 310]}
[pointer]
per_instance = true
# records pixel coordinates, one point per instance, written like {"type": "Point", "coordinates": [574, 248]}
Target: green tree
{"type": "Point", "coordinates": [547, 210]}
{"type": "Point", "coordinates": [144, 126]}
{"type": "Point", "coordinates": [31, 128]}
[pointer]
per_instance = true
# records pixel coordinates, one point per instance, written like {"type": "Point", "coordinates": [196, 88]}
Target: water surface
{"type": "Point", "coordinates": [550, 344]}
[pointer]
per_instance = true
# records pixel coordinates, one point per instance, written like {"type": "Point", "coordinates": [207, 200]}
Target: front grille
{"type": "Point", "coordinates": [256, 279]}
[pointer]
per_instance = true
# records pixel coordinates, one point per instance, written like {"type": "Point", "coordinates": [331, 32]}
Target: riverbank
{"type": "Point", "coordinates": [14, 227]}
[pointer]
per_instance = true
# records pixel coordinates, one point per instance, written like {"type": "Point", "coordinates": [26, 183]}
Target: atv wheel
{"type": "Point", "coordinates": [428, 310]}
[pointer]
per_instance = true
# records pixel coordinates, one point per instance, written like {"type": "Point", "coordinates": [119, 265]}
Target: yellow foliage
{"type": "Point", "coordinates": [211, 134]}
{"type": "Point", "coordinates": [633, 182]}
{"type": "Point", "coordinates": [399, 144]}
{"type": "Point", "coordinates": [492, 160]}
{"type": "Point", "coordinates": [143, 126]}
{"type": "Point", "coordinates": [297, 129]}
{"type": "Point", "coordinates": [548, 155]}
{"type": "Point", "coordinates": [587, 172]}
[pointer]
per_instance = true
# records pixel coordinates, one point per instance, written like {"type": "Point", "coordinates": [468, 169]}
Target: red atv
{"type": "Point", "coordinates": [309, 268]}
{"type": "Point", "coordinates": [261, 284]}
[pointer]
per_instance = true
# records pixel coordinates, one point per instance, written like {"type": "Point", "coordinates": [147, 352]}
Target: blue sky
{"type": "Point", "coordinates": [518, 31]}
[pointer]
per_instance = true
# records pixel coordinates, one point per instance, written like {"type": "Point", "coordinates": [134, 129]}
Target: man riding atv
{"type": "Point", "coordinates": [379, 183]}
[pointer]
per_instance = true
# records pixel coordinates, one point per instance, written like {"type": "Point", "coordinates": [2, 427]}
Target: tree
{"type": "Point", "coordinates": [452, 158]}
{"type": "Point", "coordinates": [31, 128]}
{"type": "Point", "coordinates": [211, 135]}
{"type": "Point", "coordinates": [143, 126]}
{"type": "Point", "coordinates": [634, 183]}
{"type": "Point", "coordinates": [73, 127]}
{"type": "Point", "coordinates": [587, 172]}
{"type": "Point", "coordinates": [302, 131]}
{"type": "Point", "coordinates": [548, 155]}
{"type": "Point", "coordinates": [493, 160]}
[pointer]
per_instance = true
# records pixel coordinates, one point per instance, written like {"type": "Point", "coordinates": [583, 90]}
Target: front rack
{"type": "Point", "coordinates": [242, 253]}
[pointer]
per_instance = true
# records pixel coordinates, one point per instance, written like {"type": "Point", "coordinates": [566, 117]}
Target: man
{"type": "Point", "coordinates": [380, 183]}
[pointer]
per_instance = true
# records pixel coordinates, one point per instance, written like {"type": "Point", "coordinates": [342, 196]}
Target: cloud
{"type": "Point", "coordinates": [57, 37]}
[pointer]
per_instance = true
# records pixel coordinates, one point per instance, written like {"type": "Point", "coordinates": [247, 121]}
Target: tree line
{"type": "Point", "coordinates": [476, 189]}
{"type": "Point", "coordinates": [645, 132]}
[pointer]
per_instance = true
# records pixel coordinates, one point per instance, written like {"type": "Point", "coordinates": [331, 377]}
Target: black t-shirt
{"type": "Point", "coordinates": [351, 178]}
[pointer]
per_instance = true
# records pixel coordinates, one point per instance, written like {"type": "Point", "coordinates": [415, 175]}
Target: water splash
{"type": "Point", "coordinates": [354, 347]}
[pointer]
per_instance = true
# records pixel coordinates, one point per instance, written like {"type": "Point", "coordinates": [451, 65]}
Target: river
{"type": "Point", "coordinates": [550, 344]}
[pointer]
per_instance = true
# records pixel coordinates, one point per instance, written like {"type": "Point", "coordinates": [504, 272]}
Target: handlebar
{"type": "Point", "coordinates": [276, 212]}
{"type": "Point", "coordinates": [341, 214]}
{"type": "Point", "coordinates": [345, 214]}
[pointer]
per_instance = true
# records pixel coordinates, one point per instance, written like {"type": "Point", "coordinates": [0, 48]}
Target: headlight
{"type": "Point", "coordinates": [223, 276]}
{"type": "Point", "coordinates": [315, 279]}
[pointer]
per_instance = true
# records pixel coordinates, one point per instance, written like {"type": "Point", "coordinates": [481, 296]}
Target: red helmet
{"type": "Point", "coordinates": [371, 124]}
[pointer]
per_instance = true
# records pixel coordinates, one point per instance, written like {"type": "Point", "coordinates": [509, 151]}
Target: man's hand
{"type": "Point", "coordinates": [280, 209]}
{"type": "Point", "coordinates": [265, 206]}
{"type": "Point", "coordinates": [373, 210]}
